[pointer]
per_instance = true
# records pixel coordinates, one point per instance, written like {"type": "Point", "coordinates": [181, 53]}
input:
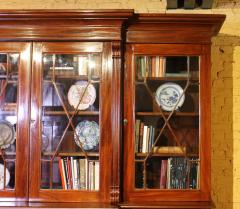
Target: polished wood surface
{"type": "Point", "coordinates": [132, 194]}
{"type": "Point", "coordinates": [118, 35]}
{"type": "Point", "coordinates": [23, 205]}
{"type": "Point", "coordinates": [117, 118]}
{"type": "Point", "coordinates": [173, 28]}
{"type": "Point", "coordinates": [20, 192]}
{"type": "Point", "coordinates": [63, 24]}
{"type": "Point", "coordinates": [168, 205]}
{"type": "Point", "coordinates": [106, 122]}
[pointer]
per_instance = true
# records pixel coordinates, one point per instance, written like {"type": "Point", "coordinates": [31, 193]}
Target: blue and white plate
{"type": "Point", "coordinates": [87, 134]}
{"type": "Point", "coordinates": [170, 96]}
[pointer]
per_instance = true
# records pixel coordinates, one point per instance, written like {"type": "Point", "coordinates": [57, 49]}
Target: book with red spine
{"type": "Point", "coordinates": [62, 173]}
{"type": "Point", "coordinates": [163, 174]}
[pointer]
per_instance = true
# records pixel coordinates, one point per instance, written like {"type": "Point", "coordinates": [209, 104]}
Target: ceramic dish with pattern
{"type": "Point", "coordinates": [87, 134]}
{"type": "Point", "coordinates": [169, 96]}
{"type": "Point", "coordinates": [7, 134]}
{"type": "Point", "coordinates": [76, 92]}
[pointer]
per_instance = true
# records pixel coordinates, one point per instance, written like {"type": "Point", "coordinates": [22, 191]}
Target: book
{"type": "Point", "coordinates": [163, 174]}
{"type": "Point", "coordinates": [137, 134]}
{"type": "Point", "coordinates": [82, 173]}
{"type": "Point", "coordinates": [153, 67]}
{"type": "Point", "coordinates": [97, 174]}
{"type": "Point", "coordinates": [83, 65]}
{"type": "Point", "coordinates": [91, 175]}
{"type": "Point", "coordinates": [75, 173]}
{"type": "Point", "coordinates": [140, 142]}
{"type": "Point", "coordinates": [168, 172]}
{"type": "Point", "coordinates": [67, 172]}
{"type": "Point", "coordinates": [193, 175]}
{"type": "Point", "coordinates": [162, 67]}
{"type": "Point", "coordinates": [169, 150]}
{"type": "Point", "coordinates": [62, 173]}
{"type": "Point", "coordinates": [178, 173]}
{"type": "Point", "coordinates": [145, 139]}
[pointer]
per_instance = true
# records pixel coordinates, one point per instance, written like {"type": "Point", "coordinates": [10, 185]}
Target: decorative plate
{"type": "Point", "coordinates": [7, 176]}
{"type": "Point", "coordinates": [168, 96]}
{"type": "Point", "coordinates": [75, 94]}
{"type": "Point", "coordinates": [7, 134]}
{"type": "Point", "coordinates": [87, 133]}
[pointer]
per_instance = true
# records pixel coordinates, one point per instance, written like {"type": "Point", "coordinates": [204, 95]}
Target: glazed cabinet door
{"type": "Point", "coordinates": [15, 69]}
{"type": "Point", "coordinates": [167, 137]}
{"type": "Point", "coordinates": [70, 159]}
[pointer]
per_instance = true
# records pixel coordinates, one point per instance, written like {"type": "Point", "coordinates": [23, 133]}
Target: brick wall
{"type": "Point", "coordinates": [225, 84]}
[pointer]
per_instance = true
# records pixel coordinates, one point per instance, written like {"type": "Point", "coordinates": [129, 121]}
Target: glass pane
{"type": "Point", "coordinates": [8, 118]}
{"type": "Point", "coordinates": [167, 122]}
{"type": "Point", "coordinates": [171, 66]}
{"type": "Point", "coordinates": [70, 121]}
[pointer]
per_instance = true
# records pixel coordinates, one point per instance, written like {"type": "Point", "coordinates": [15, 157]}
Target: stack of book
{"type": "Point", "coordinates": [150, 66]}
{"type": "Point", "coordinates": [79, 173]}
{"type": "Point", "coordinates": [144, 137]}
{"type": "Point", "coordinates": [179, 173]}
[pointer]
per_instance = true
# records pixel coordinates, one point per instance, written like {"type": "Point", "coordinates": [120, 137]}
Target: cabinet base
{"type": "Point", "coordinates": [23, 205]}
{"type": "Point", "coordinates": [167, 205]}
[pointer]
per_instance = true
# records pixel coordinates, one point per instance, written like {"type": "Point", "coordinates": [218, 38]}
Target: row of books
{"type": "Point", "coordinates": [144, 137]}
{"type": "Point", "coordinates": [79, 173]}
{"type": "Point", "coordinates": [80, 65]}
{"type": "Point", "coordinates": [179, 173]}
{"type": "Point", "coordinates": [150, 66]}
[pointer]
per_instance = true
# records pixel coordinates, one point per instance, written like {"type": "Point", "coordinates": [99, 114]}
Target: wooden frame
{"type": "Point", "coordinates": [169, 35]}
{"type": "Point", "coordinates": [113, 32]}
{"type": "Point", "coordinates": [20, 192]}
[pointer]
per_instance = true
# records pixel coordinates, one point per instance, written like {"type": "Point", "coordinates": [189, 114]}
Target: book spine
{"type": "Point", "coordinates": [62, 173]}
{"type": "Point", "coordinates": [157, 66]}
{"type": "Point", "coordinates": [97, 175]}
{"type": "Point", "coordinates": [137, 132]}
{"type": "Point", "coordinates": [91, 175]}
{"type": "Point", "coordinates": [75, 172]}
{"type": "Point", "coordinates": [145, 133]}
{"type": "Point", "coordinates": [163, 174]}
{"type": "Point", "coordinates": [140, 143]}
{"type": "Point", "coordinates": [86, 174]}
{"type": "Point", "coordinates": [169, 174]}
{"type": "Point", "coordinates": [82, 174]}
{"type": "Point", "coordinates": [69, 168]}
{"type": "Point", "coordinates": [153, 66]}
{"type": "Point", "coordinates": [66, 170]}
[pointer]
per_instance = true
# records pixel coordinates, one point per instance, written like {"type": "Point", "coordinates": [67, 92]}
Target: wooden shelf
{"type": "Point", "coordinates": [8, 153]}
{"type": "Point", "coordinates": [169, 78]}
{"type": "Point", "coordinates": [8, 109]}
{"type": "Point", "coordinates": [187, 114]}
{"type": "Point", "coordinates": [165, 155]}
{"type": "Point", "coordinates": [74, 77]}
{"type": "Point", "coordinates": [73, 154]}
{"type": "Point", "coordinates": [8, 112]}
{"type": "Point", "coordinates": [9, 77]}
{"type": "Point", "coordinates": [71, 113]}
{"type": "Point", "coordinates": [12, 81]}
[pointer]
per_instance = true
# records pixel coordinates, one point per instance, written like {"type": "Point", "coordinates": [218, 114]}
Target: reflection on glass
{"type": "Point", "coordinates": [8, 118]}
{"type": "Point", "coordinates": [167, 126]}
{"type": "Point", "coordinates": [159, 66]}
{"type": "Point", "coordinates": [70, 121]}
